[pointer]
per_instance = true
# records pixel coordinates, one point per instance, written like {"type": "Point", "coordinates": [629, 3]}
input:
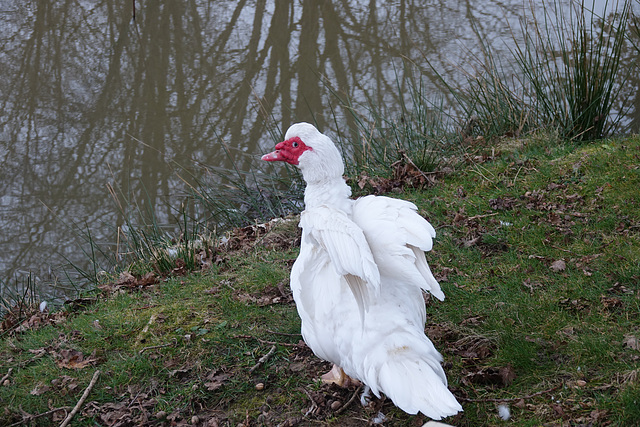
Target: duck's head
{"type": "Point", "coordinates": [313, 152]}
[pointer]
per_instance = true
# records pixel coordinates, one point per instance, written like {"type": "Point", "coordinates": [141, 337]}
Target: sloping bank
{"type": "Point", "coordinates": [538, 252]}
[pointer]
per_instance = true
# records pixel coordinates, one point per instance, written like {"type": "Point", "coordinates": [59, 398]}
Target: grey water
{"type": "Point", "coordinates": [99, 109]}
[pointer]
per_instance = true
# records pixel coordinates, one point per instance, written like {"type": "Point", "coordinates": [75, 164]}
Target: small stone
{"type": "Point", "coordinates": [260, 386]}
{"type": "Point", "coordinates": [335, 405]}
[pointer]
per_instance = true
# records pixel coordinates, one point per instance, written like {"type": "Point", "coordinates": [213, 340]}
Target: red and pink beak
{"type": "Point", "coordinates": [274, 156]}
{"type": "Point", "coordinates": [287, 151]}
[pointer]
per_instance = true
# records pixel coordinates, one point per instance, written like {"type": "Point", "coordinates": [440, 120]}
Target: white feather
{"type": "Point", "coordinates": [504, 412]}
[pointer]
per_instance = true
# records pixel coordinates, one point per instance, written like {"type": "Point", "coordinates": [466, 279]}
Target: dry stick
{"type": "Point", "coordinates": [565, 250]}
{"type": "Point", "coordinates": [482, 216]}
{"type": "Point", "coordinates": [6, 376]}
{"type": "Point", "coordinates": [249, 337]}
{"type": "Point", "coordinates": [314, 405]}
{"type": "Point", "coordinates": [153, 347]}
{"type": "Point", "coordinates": [82, 399]}
{"type": "Point", "coordinates": [512, 399]}
{"type": "Point", "coordinates": [33, 359]}
{"type": "Point", "coordinates": [263, 359]}
{"type": "Point", "coordinates": [44, 414]}
{"type": "Point", "coordinates": [349, 402]}
{"type": "Point", "coordinates": [283, 333]}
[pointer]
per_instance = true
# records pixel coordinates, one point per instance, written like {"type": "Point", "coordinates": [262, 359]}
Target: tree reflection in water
{"type": "Point", "coordinates": [91, 97]}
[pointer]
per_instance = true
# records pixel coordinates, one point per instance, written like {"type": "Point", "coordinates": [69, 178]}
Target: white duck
{"type": "Point", "coordinates": [358, 279]}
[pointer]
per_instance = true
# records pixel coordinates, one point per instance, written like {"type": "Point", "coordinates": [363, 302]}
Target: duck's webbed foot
{"type": "Point", "coordinates": [337, 376]}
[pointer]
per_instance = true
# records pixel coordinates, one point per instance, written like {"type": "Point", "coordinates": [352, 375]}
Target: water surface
{"type": "Point", "coordinates": [95, 103]}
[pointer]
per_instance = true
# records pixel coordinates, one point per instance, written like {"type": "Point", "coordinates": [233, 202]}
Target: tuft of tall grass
{"type": "Point", "coordinates": [142, 240]}
{"type": "Point", "coordinates": [235, 197]}
{"type": "Point", "coordinates": [571, 63]}
{"type": "Point", "coordinates": [419, 127]}
{"type": "Point", "coordinates": [18, 296]}
{"type": "Point", "coordinates": [493, 102]}
{"type": "Point", "coordinates": [491, 99]}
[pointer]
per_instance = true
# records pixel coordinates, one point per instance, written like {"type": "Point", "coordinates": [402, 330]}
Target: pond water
{"type": "Point", "coordinates": [96, 103]}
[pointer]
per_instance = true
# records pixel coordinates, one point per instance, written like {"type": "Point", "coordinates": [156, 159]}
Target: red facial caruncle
{"type": "Point", "coordinates": [288, 151]}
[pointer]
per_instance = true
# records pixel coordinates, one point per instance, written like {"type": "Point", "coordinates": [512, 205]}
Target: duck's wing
{"type": "Point", "coordinates": [330, 230]}
{"type": "Point", "coordinates": [398, 237]}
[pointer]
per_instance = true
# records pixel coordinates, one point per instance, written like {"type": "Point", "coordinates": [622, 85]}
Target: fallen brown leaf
{"type": "Point", "coordinates": [558, 265]}
{"type": "Point", "coordinates": [490, 375]}
{"type": "Point", "coordinates": [73, 359]}
{"type": "Point", "coordinates": [39, 389]}
{"type": "Point", "coordinates": [502, 203]}
{"type": "Point", "coordinates": [631, 341]}
{"type": "Point", "coordinates": [215, 380]}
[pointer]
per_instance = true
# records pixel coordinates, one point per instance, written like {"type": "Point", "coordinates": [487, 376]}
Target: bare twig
{"type": "Point", "coordinates": [283, 333]}
{"type": "Point", "coordinates": [145, 307]}
{"type": "Point", "coordinates": [29, 418]}
{"type": "Point", "coordinates": [33, 359]}
{"type": "Point", "coordinates": [349, 402]}
{"type": "Point", "coordinates": [511, 399]}
{"type": "Point", "coordinates": [249, 337]}
{"type": "Point", "coordinates": [564, 250]}
{"type": "Point", "coordinates": [76, 408]}
{"type": "Point", "coordinates": [153, 347]}
{"type": "Point", "coordinates": [314, 405]}
{"type": "Point", "coordinates": [263, 359]}
{"type": "Point", "coordinates": [8, 374]}
{"type": "Point", "coordinates": [482, 216]}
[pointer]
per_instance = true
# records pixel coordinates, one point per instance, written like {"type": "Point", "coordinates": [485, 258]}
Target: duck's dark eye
{"type": "Point", "coordinates": [294, 144]}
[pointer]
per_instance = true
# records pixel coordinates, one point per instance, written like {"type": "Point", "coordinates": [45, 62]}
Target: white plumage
{"type": "Point", "coordinates": [358, 281]}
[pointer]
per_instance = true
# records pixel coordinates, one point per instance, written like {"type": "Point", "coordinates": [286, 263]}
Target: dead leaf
{"type": "Point", "coordinates": [558, 265]}
{"type": "Point", "coordinates": [73, 359]}
{"type": "Point", "coordinates": [471, 242]}
{"type": "Point", "coordinates": [442, 275]}
{"type": "Point", "coordinates": [64, 384]}
{"type": "Point", "coordinates": [270, 295]}
{"type": "Point", "coordinates": [502, 203]}
{"type": "Point", "coordinates": [25, 317]}
{"type": "Point", "coordinates": [39, 389]}
{"type": "Point", "coordinates": [215, 380]}
{"type": "Point", "coordinates": [490, 375]}
{"type": "Point", "coordinates": [127, 280]}
{"type": "Point", "coordinates": [474, 347]}
{"type": "Point", "coordinates": [611, 303]}
{"type": "Point", "coordinates": [631, 341]}
{"type": "Point", "coordinates": [180, 373]}
{"type": "Point", "coordinates": [532, 286]}
{"type": "Point", "coordinates": [558, 409]}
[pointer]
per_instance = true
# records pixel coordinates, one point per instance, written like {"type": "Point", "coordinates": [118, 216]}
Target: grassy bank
{"type": "Point", "coordinates": [538, 253]}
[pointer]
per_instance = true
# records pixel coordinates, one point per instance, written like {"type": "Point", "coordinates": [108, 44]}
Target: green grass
{"type": "Point", "coordinates": [502, 222]}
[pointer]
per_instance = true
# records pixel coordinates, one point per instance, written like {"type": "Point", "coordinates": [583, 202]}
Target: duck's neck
{"type": "Point", "coordinates": [332, 192]}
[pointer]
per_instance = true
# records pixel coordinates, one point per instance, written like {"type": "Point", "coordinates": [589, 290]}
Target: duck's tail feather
{"type": "Point", "coordinates": [415, 381]}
